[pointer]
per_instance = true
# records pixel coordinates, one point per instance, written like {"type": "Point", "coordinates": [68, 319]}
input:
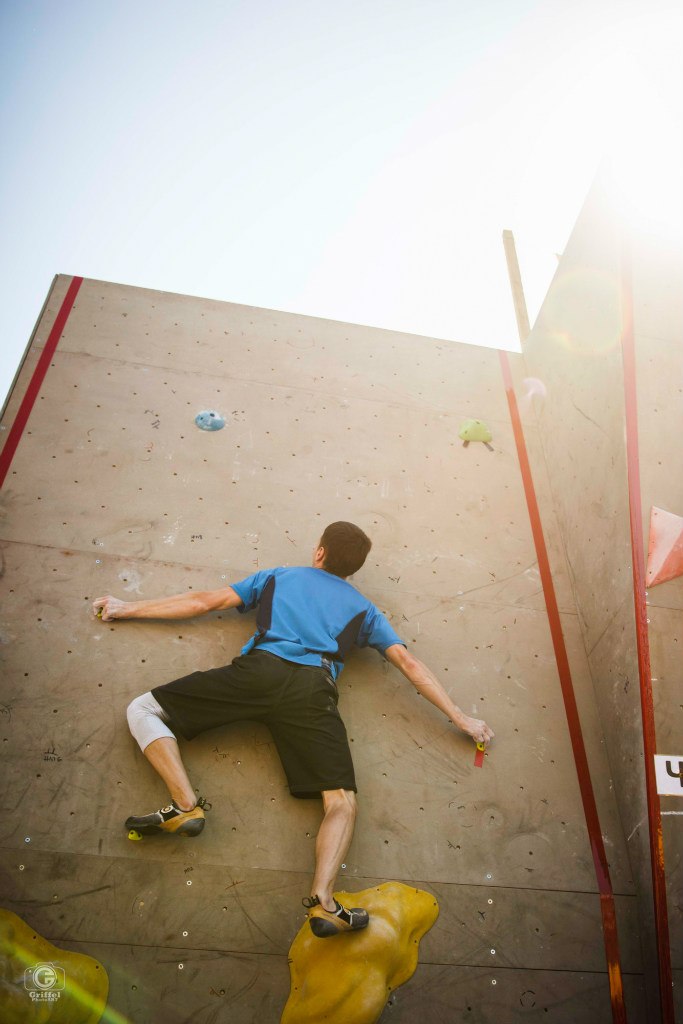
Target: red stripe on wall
{"type": "Point", "coordinates": [643, 645]}
{"type": "Point", "coordinates": [35, 384]}
{"type": "Point", "coordinates": [609, 925]}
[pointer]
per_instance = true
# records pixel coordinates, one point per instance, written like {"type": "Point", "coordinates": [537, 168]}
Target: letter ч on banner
{"type": "Point", "coordinates": [669, 772]}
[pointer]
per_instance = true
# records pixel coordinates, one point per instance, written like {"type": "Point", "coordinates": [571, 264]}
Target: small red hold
{"type": "Point", "coordinates": [665, 551]}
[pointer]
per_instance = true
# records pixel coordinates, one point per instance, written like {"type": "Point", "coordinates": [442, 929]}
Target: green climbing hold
{"type": "Point", "coordinates": [134, 835]}
{"type": "Point", "coordinates": [475, 430]}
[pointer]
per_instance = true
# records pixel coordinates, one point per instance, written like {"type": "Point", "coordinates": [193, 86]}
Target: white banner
{"type": "Point", "coordinates": [669, 770]}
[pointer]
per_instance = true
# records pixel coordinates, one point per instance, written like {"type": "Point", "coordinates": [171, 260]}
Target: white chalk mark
{"type": "Point", "coordinates": [170, 538]}
{"type": "Point", "coordinates": [634, 832]}
{"type": "Point", "coordinates": [533, 388]}
{"type": "Point", "coordinates": [133, 578]}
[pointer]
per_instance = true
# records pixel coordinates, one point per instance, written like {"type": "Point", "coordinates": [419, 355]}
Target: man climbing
{"type": "Point", "coordinates": [307, 621]}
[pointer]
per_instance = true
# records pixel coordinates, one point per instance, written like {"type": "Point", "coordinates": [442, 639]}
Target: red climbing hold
{"type": "Point", "coordinates": [665, 552]}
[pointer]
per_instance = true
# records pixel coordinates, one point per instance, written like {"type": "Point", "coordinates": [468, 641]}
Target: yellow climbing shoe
{"type": "Point", "coordinates": [171, 820]}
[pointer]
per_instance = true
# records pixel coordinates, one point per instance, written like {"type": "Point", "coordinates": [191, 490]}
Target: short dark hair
{"type": "Point", "coordinates": [346, 548]}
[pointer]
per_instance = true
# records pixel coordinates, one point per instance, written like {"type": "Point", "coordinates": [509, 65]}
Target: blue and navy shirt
{"type": "Point", "coordinates": [311, 617]}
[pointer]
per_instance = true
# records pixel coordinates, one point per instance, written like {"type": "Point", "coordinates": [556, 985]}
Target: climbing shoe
{"type": "Point", "coordinates": [170, 820]}
{"type": "Point", "coordinates": [325, 923]}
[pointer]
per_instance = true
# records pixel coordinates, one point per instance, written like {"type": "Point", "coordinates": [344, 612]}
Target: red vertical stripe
{"type": "Point", "coordinates": [43, 365]}
{"type": "Point", "coordinates": [643, 645]}
{"type": "Point", "coordinates": [609, 926]}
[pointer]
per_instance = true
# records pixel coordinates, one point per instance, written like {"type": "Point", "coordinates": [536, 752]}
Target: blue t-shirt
{"type": "Point", "coordinates": [311, 617]}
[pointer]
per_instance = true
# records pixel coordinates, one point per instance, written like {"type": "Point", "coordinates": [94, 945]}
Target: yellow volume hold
{"type": "Point", "coordinates": [43, 982]}
{"type": "Point", "coordinates": [347, 979]}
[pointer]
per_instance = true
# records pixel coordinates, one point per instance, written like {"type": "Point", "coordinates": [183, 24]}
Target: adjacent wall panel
{"type": "Point", "coordinates": [575, 351]}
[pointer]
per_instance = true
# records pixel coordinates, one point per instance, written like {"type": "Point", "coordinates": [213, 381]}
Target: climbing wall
{"type": "Point", "coordinates": [617, 276]}
{"type": "Point", "coordinates": [114, 489]}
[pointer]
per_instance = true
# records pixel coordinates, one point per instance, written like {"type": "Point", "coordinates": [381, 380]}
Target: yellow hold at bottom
{"type": "Point", "coordinates": [41, 982]}
{"type": "Point", "coordinates": [348, 978]}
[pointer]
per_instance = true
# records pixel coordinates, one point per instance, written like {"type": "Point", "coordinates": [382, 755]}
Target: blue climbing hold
{"type": "Point", "coordinates": [209, 420]}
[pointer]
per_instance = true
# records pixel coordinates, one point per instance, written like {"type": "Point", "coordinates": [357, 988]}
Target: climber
{"type": "Point", "coordinates": [308, 619]}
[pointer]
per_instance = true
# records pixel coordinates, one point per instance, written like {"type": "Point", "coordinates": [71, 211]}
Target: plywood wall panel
{"type": "Point", "coordinates": [202, 498]}
{"type": "Point", "coordinates": [230, 906]}
{"type": "Point", "coordinates": [469, 994]}
{"type": "Point", "coordinates": [279, 349]}
{"type": "Point", "coordinates": [409, 762]}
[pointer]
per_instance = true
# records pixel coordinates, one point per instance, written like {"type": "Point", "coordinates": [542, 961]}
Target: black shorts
{"type": "Point", "coordinates": [298, 703]}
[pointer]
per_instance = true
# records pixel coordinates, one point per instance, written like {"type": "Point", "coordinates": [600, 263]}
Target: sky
{"type": "Point", "coordinates": [355, 161]}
